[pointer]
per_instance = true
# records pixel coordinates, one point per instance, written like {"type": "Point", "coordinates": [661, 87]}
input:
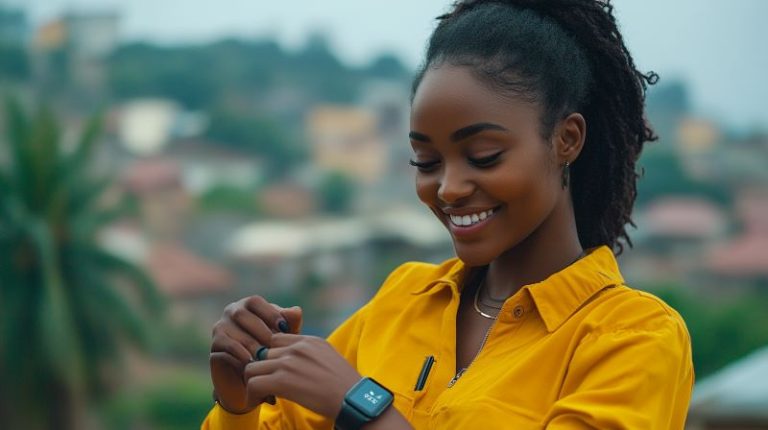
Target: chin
{"type": "Point", "coordinates": [473, 257]}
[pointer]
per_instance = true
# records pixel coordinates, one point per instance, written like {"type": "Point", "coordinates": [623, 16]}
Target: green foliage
{"type": "Point", "coordinates": [230, 199]}
{"type": "Point", "coordinates": [62, 315]}
{"type": "Point", "coordinates": [176, 403]}
{"type": "Point", "coordinates": [254, 135]}
{"type": "Point", "coordinates": [722, 330]}
{"type": "Point", "coordinates": [664, 176]}
{"type": "Point", "coordinates": [336, 193]}
{"type": "Point", "coordinates": [251, 68]}
{"type": "Point", "coordinates": [15, 64]}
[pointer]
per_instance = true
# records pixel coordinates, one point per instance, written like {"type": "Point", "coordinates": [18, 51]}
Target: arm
{"type": "Point", "coordinates": [627, 379]}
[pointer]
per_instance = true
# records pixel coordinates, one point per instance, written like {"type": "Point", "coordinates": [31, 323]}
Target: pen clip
{"type": "Point", "coordinates": [425, 369]}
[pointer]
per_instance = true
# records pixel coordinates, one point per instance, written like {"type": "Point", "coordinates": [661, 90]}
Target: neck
{"type": "Point", "coordinates": [553, 246]}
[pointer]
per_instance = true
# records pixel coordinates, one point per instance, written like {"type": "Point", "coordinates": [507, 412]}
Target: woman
{"type": "Point", "coordinates": [527, 121]}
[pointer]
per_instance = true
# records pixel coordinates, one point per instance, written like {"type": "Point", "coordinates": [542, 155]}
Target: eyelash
{"type": "Point", "coordinates": [482, 163]}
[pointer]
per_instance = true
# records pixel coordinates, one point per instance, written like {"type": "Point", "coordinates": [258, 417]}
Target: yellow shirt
{"type": "Point", "coordinates": [579, 350]}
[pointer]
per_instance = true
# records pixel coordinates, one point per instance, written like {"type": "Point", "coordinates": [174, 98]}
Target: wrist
{"type": "Point", "coordinates": [362, 404]}
{"type": "Point", "coordinates": [229, 409]}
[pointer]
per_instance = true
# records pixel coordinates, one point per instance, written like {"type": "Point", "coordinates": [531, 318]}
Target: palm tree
{"type": "Point", "coordinates": [67, 306]}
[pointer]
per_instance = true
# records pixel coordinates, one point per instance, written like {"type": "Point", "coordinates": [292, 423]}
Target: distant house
{"type": "Point", "coordinates": [346, 139]}
{"type": "Point", "coordinates": [197, 288]}
{"type": "Point", "coordinates": [332, 256]}
{"type": "Point", "coordinates": [673, 234]}
{"type": "Point", "coordinates": [736, 398]}
{"type": "Point", "coordinates": [163, 202]}
{"type": "Point", "coordinates": [14, 28]}
{"type": "Point", "coordinates": [745, 257]}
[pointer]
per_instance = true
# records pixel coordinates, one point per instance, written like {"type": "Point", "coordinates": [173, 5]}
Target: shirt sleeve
{"type": "Point", "coordinates": [285, 414]}
{"type": "Point", "coordinates": [627, 379]}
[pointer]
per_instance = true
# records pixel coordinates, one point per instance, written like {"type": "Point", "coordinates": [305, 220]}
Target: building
{"type": "Point", "coordinates": [14, 28]}
{"type": "Point", "coordinates": [346, 139]}
{"type": "Point", "coordinates": [736, 398]}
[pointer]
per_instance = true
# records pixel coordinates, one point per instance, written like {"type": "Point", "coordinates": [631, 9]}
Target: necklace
{"type": "Point", "coordinates": [482, 283]}
{"type": "Point", "coordinates": [477, 308]}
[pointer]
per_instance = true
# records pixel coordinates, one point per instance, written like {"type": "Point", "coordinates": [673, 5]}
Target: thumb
{"type": "Point", "coordinates": [294, 317]}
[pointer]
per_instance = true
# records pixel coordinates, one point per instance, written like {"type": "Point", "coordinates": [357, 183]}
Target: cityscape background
{"type": "Point", "coordinates": [159, 161]}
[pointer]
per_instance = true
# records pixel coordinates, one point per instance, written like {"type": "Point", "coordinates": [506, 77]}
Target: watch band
{"type": "Point", "coordinates": [350, 418]}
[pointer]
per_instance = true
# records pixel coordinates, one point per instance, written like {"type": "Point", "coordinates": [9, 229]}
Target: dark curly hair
{"type": "Point", "coordinates": [568, 56]}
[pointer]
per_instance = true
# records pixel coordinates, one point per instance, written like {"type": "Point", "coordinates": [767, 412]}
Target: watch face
{"type": "Point", "coordinates": [369, 398]}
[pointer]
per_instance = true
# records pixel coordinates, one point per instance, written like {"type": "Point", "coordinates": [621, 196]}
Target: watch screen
{"type": "Point", "coordinates": [369, 398]}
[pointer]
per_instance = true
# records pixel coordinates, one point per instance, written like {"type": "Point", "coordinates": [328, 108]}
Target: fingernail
{"type": "Point", "coordinates": [283, 326]}
{"type": "Point", "coordinates": [271, 400]}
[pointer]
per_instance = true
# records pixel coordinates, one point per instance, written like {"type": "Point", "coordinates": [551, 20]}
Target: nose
{"type": "Point", "coordinates": [454, 186]}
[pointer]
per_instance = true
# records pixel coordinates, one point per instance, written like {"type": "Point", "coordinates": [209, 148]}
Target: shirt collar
{"type": "Point", "coordinates": [565, 292]}
{"type": "Point", "coordinates": [561, 294]}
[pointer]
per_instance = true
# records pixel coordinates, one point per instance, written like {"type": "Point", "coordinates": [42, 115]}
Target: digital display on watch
{"type": "Point", "coordinates": [369, 398]}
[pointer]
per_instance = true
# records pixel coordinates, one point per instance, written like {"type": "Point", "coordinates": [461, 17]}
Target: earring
{"type": "Point", "coordinates": [566, 174]}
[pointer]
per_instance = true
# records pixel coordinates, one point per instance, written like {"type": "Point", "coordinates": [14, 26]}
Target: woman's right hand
{"type": "Point", "coordinates": [245, 326]}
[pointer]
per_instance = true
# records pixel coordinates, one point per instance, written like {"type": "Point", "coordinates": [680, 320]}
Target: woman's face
{"type": "Point", "coordinates": [483, 167]}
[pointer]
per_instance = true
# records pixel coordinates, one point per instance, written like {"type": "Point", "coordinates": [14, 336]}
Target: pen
{"type": "Point", "coordinates": [428, 362]}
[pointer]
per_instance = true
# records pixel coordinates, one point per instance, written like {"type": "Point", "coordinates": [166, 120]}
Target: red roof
{"type": "Point", "coordinates": [149, 175]}
{"type": "Point", "coordinates": [683, 217]}
{"type": "Point", "coordinates": [180, 273]}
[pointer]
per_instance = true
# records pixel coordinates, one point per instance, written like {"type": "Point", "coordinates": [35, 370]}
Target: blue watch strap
{"type": "Point", "coordinates": [350, 418]}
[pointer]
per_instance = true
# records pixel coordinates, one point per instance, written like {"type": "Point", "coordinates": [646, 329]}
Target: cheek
{"type": "Point", "coordinates": [426, 188]}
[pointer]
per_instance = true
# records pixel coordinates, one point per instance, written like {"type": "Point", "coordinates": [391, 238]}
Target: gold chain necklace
{"type": "Point", "coordinates": [482, 284]}
{"type": "Point", "coordinates": [477, 308]}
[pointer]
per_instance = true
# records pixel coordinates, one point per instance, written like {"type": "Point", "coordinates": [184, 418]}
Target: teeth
{"type": "Point", "coordinates": [466, 220]}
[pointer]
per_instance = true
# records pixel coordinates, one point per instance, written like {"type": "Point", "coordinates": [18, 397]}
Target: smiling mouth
{"type": "Point", "coordinates": [470, 219]}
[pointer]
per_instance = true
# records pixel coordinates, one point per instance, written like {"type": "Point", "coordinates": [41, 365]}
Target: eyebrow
{"type": "Point", "coordinates": [461, 133]}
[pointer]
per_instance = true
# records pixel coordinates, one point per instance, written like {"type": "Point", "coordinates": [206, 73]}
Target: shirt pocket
{"type": "Point", "coordinates": [484, 413]}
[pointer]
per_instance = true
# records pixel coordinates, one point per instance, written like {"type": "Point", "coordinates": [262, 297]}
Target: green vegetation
{"type": "Point", "coordinates": [66, 304]}
{"type": "Point", "coordinates": [245, 73]}
{"type": "Point", "coordinates": [255, 135]}
{"type": "Point", "coordinates": [230, 199]}
{"type": "Point", "coordinates": [178, 402]}
{"type": "Point", "coordinates": [722, 330]}
{"type": "Point", "coordinates": [664, 176]}
{"type": "Point", "coordinates": [336, 193]}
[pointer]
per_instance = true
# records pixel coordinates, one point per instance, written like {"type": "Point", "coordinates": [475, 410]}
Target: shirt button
{"type": "Point", "coordinates": [518, 312]}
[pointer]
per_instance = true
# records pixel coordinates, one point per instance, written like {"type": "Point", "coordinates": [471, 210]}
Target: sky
{"type": "Point", "coordinates": [716, 46]}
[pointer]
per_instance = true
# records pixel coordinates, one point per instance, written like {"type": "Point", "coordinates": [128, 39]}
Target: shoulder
{"type": "Point", "coordinates": [622, 309]}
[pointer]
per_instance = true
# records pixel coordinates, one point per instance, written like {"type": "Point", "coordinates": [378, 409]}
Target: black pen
{"type": "Point", "coordinates": [428, 362]}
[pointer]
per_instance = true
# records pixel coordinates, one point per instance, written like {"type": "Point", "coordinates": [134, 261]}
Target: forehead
{"type": "Point", "coordinates": [452, 97]}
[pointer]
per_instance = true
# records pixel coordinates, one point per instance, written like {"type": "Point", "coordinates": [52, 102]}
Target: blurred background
{"type": "Point", "coordinates": [159, 160]}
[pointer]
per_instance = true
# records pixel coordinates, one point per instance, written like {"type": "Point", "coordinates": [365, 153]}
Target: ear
{"type": "Point", "coordinates": [569, 137]}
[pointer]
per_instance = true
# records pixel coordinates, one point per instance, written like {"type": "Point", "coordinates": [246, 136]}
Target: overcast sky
{"type": "Point", "coordinates": [718, 46]}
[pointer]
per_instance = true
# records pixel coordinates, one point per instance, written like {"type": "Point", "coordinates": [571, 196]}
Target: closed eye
{"type": "Point", "coordinates": [424, 166]}
{"type": "Point", "coordinates": [485, 161]}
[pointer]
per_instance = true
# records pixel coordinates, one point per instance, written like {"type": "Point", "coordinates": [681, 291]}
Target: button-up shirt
{"type": "Point", "coordinates": [577, 350]}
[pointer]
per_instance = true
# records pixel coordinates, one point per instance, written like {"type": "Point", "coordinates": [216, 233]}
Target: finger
{"type": "Point", "coordinates": [285, 339]}
{"type": "Point", "coordinates": [260, 388]}
{"type": "Point", "coordinates": [232, 347]}
{"type": "Point", "coordinates": [294, 317]}
{"type": "Point", "coordinates": [267, 313]}
{"type": "Point", "coordinates": [227, 358]}
{"type": "Point", "coordinates": [250, 322]}
{"type": "Point", "coordinates": [249, 343]}
{"type": "Point", "coordinates": [260, 368]}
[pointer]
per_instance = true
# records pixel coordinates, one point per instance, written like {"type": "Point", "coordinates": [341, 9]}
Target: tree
{"type": "Point", "coordinates": [337, 193]}
{"type": "Point", "coordinates": [64, 315]}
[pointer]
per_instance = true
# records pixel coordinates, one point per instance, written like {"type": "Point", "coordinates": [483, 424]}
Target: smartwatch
{"type": "Point", "coordinates": [363, 403]}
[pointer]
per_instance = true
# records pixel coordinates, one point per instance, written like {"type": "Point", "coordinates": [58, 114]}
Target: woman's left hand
{"type": "Point", "coordinates": [303, 369]}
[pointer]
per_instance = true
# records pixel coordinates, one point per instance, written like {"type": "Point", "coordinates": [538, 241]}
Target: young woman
{"type": "Point", "coordinates": [527, 120]}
